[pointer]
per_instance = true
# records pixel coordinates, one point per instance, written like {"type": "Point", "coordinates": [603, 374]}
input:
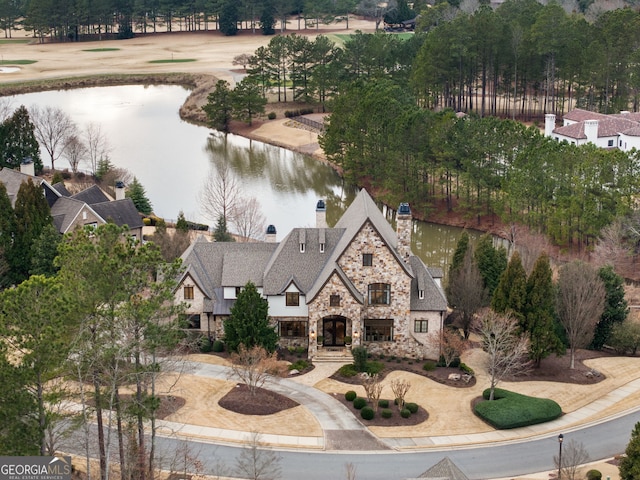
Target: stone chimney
{"type": "Point", "coordinates": [404, 224]}
{"type": "Point", "coordinates": [270, 237]}
{"type": "Point", "coordinates": [591, 130]}
{"type": "Point", "coordinates": [549, 124]}
{"type": "Point", "coordinates": [321, 214]}
{"type": "Point", "coordinates": [120, 190]}
{"type": "Point", "coordinates": [27, 167]}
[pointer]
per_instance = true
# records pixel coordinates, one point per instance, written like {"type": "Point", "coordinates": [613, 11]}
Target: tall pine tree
{"type": "Point", "coordinates": [630, 463]}
{"type": "Point", "coordinates": [18, 141]}
{"type": "Point", "coordinates": [139, 197]}
{"type": "Point", "coordinates": [616, 308]}
{"type": "Point", "coordinates": [511, 293]}
{"type": "Point", "coordinates": [491, 261]}
{"type": "Point", "coordinates": [7, 231]}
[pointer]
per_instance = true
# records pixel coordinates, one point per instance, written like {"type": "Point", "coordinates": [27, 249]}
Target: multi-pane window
{"type": "Point", "coordinates": [379, 294]}
{"type": "Point", "coordinates": [421, 326]}
{"type": "Point", "coordinates": [367, 259]}
{"type": "Point", "coordinates": [378, 330]}
{"type": "Point", "coordinates": [188, 293]}
{"type": "Point", "coordinates": [238, 290]}
{"type": "Point", "coordinates": [293, 299]}
{"type": "Point", "coordinates": [334, 300]}
{"type": "Point", "coordinates": [293, 329]}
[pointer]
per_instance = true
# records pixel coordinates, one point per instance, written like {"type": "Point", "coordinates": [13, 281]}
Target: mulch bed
{"type": "Point", "coordinates": [378, 421]}
{"type": "Point", "coordinates": [264, 402]}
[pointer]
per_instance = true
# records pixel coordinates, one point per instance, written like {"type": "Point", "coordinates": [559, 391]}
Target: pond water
{"type": "Point", "coordinates": [173, 159]}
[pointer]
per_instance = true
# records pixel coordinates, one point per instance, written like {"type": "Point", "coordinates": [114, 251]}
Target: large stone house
{"type": "Point", "coordinates": [88, 207]}
{"type": "Point", "coordinates": [618, 130]}
{"type": "Point", "coordinates": [358, 279]}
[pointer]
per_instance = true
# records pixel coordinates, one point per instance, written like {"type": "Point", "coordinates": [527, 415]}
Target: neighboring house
{"type": "Point", "coordinates": [619, 130]}
{"type": "Point", "coordinates": [88, 207]}
{"type": "Point", "coordinates": [357, 279]}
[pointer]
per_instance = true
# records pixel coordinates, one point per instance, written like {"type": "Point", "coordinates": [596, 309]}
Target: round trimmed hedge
{"type": "Point", "coordinates": [350, 396]}
{"type": "Point", "coordinates": [367, 413]}
{"type": "Point", "coordinates": [359, 403]}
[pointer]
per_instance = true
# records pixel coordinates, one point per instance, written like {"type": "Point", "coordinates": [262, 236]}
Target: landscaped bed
{"type": "Point", "coordinates": [512, 410]}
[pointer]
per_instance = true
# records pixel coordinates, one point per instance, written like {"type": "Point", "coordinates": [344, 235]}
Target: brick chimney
{"type": "Point", "coordinates": [270, 236]}
{"type": "Point", "coordinates": [120, 194]}
{"type": "Point", "coordinates": [27, 167]}
{"type": "Point", "coordinates": [321, 214]}
{"type": "Point", "coordinates": [404, 224]}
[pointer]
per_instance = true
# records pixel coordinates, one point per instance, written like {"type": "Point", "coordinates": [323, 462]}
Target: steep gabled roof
{"type": "Point", "coordinates": [121, 212]}
{"type": "Point", "coordinates": [242, 265]}
{"type": "Point", "coordinates": [12, 180]}
{"type": "Point", "coordinates": [434, 298]}
{"type": "Point", "coordinates": [66, 210]}
{"type": "Point", "coordinates": [61, 189]}
{"type": "Point", "coordinates": [91, 195]}
{"type": "Point", "coordinates": [445, 469]}
{"type": "Point", "coordinates": [289, 262]}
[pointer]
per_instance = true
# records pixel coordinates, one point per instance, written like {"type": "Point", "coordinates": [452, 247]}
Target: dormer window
{"type": "Point", "coordinates": [188, 292]}
{"type": "Point", "coordinates": [293, 299]}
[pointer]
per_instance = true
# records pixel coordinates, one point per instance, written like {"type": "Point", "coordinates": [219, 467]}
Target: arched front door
{"type": "Point", "coordinates": [334, 329]}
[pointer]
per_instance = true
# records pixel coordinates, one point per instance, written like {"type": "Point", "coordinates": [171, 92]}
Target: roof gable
{"type": "Point", "coordinates": [121, 212]}
{"type": "Point", "coordinates": [91, 195]}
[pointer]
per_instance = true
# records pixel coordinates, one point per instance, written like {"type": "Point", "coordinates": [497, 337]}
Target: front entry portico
{"type": "Point", "coordinates": [334, 329]}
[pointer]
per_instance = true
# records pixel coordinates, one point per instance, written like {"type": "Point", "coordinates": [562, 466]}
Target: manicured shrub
{"type": "Point", "coordinates": [218, 346]}
{"type": "Point", "coordinates": [205, 345]}
{"type": "Point", "coordinates": [367, 413]}
{"type": "Point", "coordinates": [454, 364]}
{"type": "Point", "coordinates": [412, 407]}
{"type": "Point", "coordinates": [386, 413]}
{"type": "Point", "coordinates": [467, 369]}
{"type": "Point", "coordinates": [405, 413]}
{"type": "Point", "coordinates": [359, 358]}
{"type": "Point", "coordinates": [374, 367]}
{"type": "Point", "coordinates": [594, 475]}
{"type": "Point", "coordinates": [348, 370]}
{"type": "Point", "coordinates": [429, 366]}
{"type": "Point", "coordinates": [299, 365]}
{"type": "Point", "coordinates": [350, 396]}
{"type": "Point", "coordinates": [512, 410]}
{"type": "Point", "coordinates": [383, 403]}
{"type": "Point", "coordinates": [271, 115]}
{"type": "Point", "coordinates": [146, 221]}
{"type": "Point", "coordinates": [359, 403]}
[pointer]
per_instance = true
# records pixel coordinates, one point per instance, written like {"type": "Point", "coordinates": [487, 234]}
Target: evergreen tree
{"type": "Point", "coordinates": [616, 308]}
{"type": "Point", "coordinates": [181, 224]}
{"type": "Point", "coordinates": [510, 295]}
{"type": "Point", "coordinates": [247, 100]}
{"type": "Point", "coordinates": [229, 18]}
{"type": "Point", "coordinates": [32, 215]}
{"type": "Point", "coordinates": [248, 323]}
{"type": "Point", "coordinates": [7, 230]}
{"type": "Point", "coordinates": [540, 312]}
{"type": "Point", "coordinates": [44, 251]}
{"type": "Point", "coordinates": [458, 257]}
{"type": "Point", "coordinates": [630, 464]}
{"type": "Point", "coordinates": [18, 141]}
{"type": "Point", "coordinates": [267, 19]}
{"type": "Point", "coordinates": [221, 234]}
{"type": "Point", "coordinates": [219, 106]}
{"type": "Point", "coordinates": [491, 261]}
{"type": "Point", "coordinates": [137, 194]}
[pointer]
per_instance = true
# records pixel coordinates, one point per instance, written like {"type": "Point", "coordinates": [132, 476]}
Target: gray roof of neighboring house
{"type": "Point", "coordinates": [92, 195]}
{"type": "Point", "coordinates": [290, 264]}
{"type": "Point", "coordinates": [121, 212]}
{"type": "Point", "coordinates": [445, 469]}
{"type": "Point", "coordinates": [61, 189]}
{"type": "Point", "coordinates": [12, 180]}
{"type": "Point", "coordinates": [434, 298]}
{"type": "Point", "coordinates": [65, 211]}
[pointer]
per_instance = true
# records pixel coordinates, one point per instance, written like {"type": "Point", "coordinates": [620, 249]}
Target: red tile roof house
{"type": "Point", "coordinates": [620, 130]}
{"type": "Point", "coordinates": [88, 207]}
{"type": "Point", "coordinates": [357, 279]}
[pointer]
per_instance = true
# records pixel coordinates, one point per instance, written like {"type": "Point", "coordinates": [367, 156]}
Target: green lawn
{"type": "Point", "coordinates": [101, 50]}
{"type": "Point", "coordinates": [177, 60]}
{"type": "Point", "coordinates": [340, 38]}
{"type": "Point", "coordinates": [10, 40]}
{"type": "Point", "coordinates": [17, 62]}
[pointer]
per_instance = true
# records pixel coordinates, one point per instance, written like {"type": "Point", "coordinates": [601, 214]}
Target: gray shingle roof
{"type": "Point", "coordinates": [445, 469]}
{"type": "Point", "coordinates": [65, 211]}
{"type": "Point", "coordinates": [61, 189]}
{"type": "Point", "coordinates": [12, 180]}
{"type": "Point", "coordinates": [434, 298]}
{"type": "Point", "coordinates": [121, 212]}
{"type": "Point", "coordinates": [91, 195]}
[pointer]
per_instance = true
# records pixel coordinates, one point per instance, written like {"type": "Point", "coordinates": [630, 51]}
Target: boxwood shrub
{"type": "Point", "coordinates": [350, 396]}
{"type": "Point", "coordinates": [412, 407]}
{"type": "Point", "coordinates": [348, 370]}
{"type": "Point", "coordinates": [383, 403]}
{"type": "Point", "coordinates": [386, 413]}
{"type": "Point", "coordinates": [405, 413]}
{"type": "Point", "coordinates": [218, 346]}
{"type": "Point", "coordinates": [513, 410]}
{"type": "Point", "coordinates": [367, 413]}
{"type": "Point", "coordinates": [359, 403]}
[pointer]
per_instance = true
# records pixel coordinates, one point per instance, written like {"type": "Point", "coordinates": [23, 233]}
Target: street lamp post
{"type": "Point", "coordinates": [560, 438]}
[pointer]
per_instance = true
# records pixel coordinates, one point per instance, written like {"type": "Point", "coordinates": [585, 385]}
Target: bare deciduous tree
{"type": "Point", "coordinates": [53, 128]}
{"type": "Point", "coordinates": [581, 296]}
{"type": "Point", "coordinates": [6, 108]}
{"type": "Point", "coordinates": [449, 343]}
{"type": "Point", "coordinates": [219, 194]}
{"type": "Point", "coordinates": [242, 59]}
{"type": "Point", "coordinates": [373, 388]}
{"type": "Point", "coordinates": [574, 455]}
{"type": "Point", "coordinates": [247, 219]}
{"type": "Point", "coordinates": [612, 249]}
{"type": "Point", "coordinates": [506, 348]}
{"type": "Point", "coordinates": [97, 146]}
{"type": "Point", "coordinates": [350, 471]}
{"type": "Point", "coordinates": [466, 292]}
{"type": "Point", "coordinates": [400, 387]}
{"type": "Point", "coordinates": [254, 365]}
{"type": "Point", "coordinates": [257, 463]}
{"type": "Point", "coordinates": [75, 152]}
